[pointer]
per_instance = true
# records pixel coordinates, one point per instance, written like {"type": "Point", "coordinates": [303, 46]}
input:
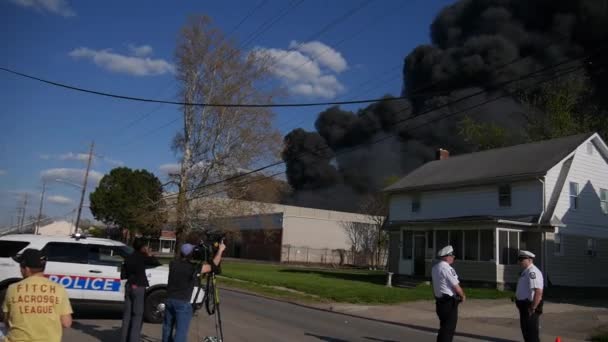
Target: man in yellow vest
{"type": "Point", "coordinates": [35, 308]}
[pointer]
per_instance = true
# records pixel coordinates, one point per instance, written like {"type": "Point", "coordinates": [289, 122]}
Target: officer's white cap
{"type": "Point", "coordinates": [445, 251]}
{"type": "Point", "coordinates": [526, 254]}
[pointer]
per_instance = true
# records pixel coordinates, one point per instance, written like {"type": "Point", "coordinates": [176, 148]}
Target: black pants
{"type": "Point", "coordinates": [133, 314]}
{"type": "Point", "coordinates": [528, 322]}
{"type": "Point", "coordinates": [447, 311]}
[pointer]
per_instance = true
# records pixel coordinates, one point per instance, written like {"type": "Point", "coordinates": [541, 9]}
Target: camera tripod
{"type": "Point", "coordinates": [211, 301]}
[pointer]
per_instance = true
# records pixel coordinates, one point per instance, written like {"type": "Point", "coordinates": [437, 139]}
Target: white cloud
{"type": "Point", "coordinates": [132, 65]}
{"type": "Point", "coordinates": [3, 172]}
{"type": "Point", "coordinates": [71, 175]}
{"type": "Point", "coordinates": [170, 168]}
{"type": "Point", "coordinates": [323, 54]}
{"type": "Point", "coordinates": [61, 200]}
{"type": "Point", "coordinates": [83, 157]}
{"type": "Point", "coordinates": [114, 162]}
{"type": "Point", "coordinates": [74, 156]}
{"type": "Point", "coordinates": [60, 7]}
{"type": "Point", "coordinates": [140, 51]}
{"type": "Point", "coordinates": [308, 70]}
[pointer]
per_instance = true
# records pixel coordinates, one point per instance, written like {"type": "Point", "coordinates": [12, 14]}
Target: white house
{"type": "Point", "coordinates": [550, 197]}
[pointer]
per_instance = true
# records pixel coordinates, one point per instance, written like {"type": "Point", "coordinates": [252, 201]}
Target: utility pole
{"type": "Point", "coordinates": [40, 210]}
{"type": "Point", "coordinates": [23, 213]}
{"type": "Point", "coordinates": [84, 187]}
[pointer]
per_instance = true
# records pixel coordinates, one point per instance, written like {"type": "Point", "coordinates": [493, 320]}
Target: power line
{"type": "Point", "coordinates": [502, 85]}
{"type": "Point", "coordinates": [246, 17]}
{"type": "Point", "coordinates": [270, 23]}
{"type": "Point", "coordinates": [170, 84]}
{"type": "Point", "coordinates": [344, 151]}
{"type": "Point", "coordinates": [326, 28]}
{"type": "Point", "coordinates": [200, 104]}
{"type": "Point", "coordinates": [375, 21]}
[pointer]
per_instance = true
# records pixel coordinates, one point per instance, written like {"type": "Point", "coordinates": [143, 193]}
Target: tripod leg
{"type": "Point", "coordinates": [217, 303]}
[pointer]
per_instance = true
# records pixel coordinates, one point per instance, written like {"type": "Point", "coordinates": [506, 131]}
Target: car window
{"type": "Point", "coordinates": [105, 255]}
{"type": "Point", "coordinates": [66, 252]}
{"type": "Point", "coordinates": [11, 248]}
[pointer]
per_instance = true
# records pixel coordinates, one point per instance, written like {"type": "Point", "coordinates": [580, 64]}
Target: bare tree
{"type": "Point", "coordinates": [219, 141]}
{"type": "Point", "coordinates": [376, 207]}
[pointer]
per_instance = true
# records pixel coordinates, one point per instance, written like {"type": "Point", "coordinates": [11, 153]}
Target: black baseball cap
{"type": "Point", "coordinates": [31, 258]}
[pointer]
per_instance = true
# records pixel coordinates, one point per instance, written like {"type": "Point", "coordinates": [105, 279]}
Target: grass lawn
{"type": "Point", "coordinates": [346, 286]}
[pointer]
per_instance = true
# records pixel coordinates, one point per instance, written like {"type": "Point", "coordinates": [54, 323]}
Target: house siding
{"type": "Point", "coordinates": [574, 267]}
{"type": "Point", "coordinates": [526, 199]}
{"type": "Point", "coordinates": [590, 171]}
{"type": "Point", "coordinates": [477, 271]}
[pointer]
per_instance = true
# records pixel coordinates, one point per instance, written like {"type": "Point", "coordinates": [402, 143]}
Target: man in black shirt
{"type": "Point", "coordinates": [134, 271]}
{"type": "Point", "coordinates": [182, 279]}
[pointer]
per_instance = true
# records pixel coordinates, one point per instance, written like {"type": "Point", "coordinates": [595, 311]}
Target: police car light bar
{"type": "Point", "coordinates": [78, 236]}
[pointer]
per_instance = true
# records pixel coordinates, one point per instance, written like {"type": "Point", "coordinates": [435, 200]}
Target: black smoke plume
{"type": "Point", "coordinates": [473, 46]}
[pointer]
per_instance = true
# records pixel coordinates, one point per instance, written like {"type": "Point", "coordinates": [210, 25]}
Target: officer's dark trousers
{"type": "Point", "coordinates": [133, 315]}
{"type": "Point", "coordinates": [528, 323]}
{"type": "Point", "coordinates": [447, 311]}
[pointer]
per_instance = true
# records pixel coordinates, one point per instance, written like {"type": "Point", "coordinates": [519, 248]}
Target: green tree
{"type": "Point", "coordinates": [554, 109]}
{"type": "Point", "coordinates": [131, 199]}
{"type": "Point", "coordinates": [482, 136]}
{"type": "Point", "coordinates": [560, 108]}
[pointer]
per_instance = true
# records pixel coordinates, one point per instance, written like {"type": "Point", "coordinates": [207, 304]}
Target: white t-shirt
{"type": "Point", "coordinates": [444, 279]}
{"type": "Point", "coordinates": [531, 278]}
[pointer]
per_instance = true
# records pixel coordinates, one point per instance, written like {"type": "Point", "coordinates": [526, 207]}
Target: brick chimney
{"type": "Point", "coordinates": [442, 154]}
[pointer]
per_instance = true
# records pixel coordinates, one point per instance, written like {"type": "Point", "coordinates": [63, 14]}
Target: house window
{"type": "Point", "coordinates": [558, 248]}
{"type": "Point", "coordinates": [471, 245]}
{"type": "Point", "coordinates": [509, 247]}
{"type": "Point", "coordinates": [504, 195]}
{"type": "Point", "coordinates": [573, 195]}
{"type": "Point", "coordinates": [604, 200]}
{"type": "Point", "coordinates": [591, 247]}
{"type": "Point", "coordinates": [486, 245]}
{"type": "Point", "coordinates": [408, 236]}
{"type": "Point", "coordinates": [416, 203]}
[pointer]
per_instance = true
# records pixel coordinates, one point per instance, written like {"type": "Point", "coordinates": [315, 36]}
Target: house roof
{"type": "Point", "coordinates": [512, 163]}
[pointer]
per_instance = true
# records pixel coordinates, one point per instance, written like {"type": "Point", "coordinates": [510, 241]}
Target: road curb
{"type": "Point", "coordinates": [405, 325]}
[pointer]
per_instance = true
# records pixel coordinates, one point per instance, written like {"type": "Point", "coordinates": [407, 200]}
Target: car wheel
{"type": "Point", "coordinates": [154, 306]}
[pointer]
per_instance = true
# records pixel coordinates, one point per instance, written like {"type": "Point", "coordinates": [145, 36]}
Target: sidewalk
{"type": "Point", "coordinates": [490, 320]}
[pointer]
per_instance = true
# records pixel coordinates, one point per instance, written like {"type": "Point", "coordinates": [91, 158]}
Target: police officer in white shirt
{"type": "Point", "coordinates": [529, 296]}
{"type": "Point", "coordinates": [448, 294]}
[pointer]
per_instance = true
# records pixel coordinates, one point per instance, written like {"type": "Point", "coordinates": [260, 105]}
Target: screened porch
{"type": "Point", "coordinates": [483, 254]}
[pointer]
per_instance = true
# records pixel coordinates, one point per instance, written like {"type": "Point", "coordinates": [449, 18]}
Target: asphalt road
{"type": "Point", "coordinates": [250, 318]}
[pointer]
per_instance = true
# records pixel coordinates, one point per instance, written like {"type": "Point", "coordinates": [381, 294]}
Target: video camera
{"type": "Point", "coordinates": [208, 247]}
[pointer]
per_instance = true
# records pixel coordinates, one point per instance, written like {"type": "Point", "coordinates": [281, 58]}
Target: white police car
{"type": "Point", "coordinates": [89, 269]}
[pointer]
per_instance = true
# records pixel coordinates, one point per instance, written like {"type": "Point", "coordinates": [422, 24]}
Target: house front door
{"type": "Point", "coordinates": [419, 254]}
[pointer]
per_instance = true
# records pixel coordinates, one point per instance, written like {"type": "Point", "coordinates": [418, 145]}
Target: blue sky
{"type": "Point", "coordinates": [127, 47]}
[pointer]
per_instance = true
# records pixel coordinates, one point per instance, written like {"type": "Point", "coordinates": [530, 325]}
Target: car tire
{"type": "Point", "coordinates": [154, 306]}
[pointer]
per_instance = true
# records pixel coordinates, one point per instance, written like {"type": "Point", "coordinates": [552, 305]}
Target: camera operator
{"type": "Point", "coordinates": [134, 271]}
{"type": "Point", "coordinates": [182, 279]}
